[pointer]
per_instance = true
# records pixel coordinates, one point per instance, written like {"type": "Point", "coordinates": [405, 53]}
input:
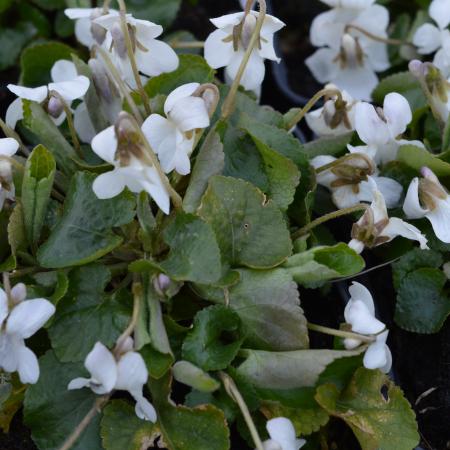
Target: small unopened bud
{"type": "Point", "coordinates": [161, 283]}
{"type": "Point", "coordinates": [98, 32]}
{"type": "Point", "coordinates": [416, 67]}
{"type": "Point", "coordinates": [129, 143]}
{"type": "Point", "coordinates": [104, 86]}
{"type": "Point", "coordinates": [119, 40]}
{"type": "Point", "coordinates": [55, 107]}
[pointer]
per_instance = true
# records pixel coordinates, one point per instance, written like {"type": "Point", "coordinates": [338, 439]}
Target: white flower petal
{"type": "Point", "coordinates": [83, 124]}
{"type": "Point", "coordinates": [19, 293]}
{"type": "Point", "coordinates": [228, 20]}
{"type": "Point", "coordinates": [369, 126]}
{"type": "Point", "coordinates": [9, 354]}
{"type": "Point", "coordinates": [345, 196]}
{"type": "Point", "coordinates": [322, 65]}
{"type": "Point", "coordinates": [132, 372]}
{"type": "Point", "coordinates": [63, 70]}
{"type": "Point", "coordinates": [440, 12]}
{"type": "Point", "coordinates": [78, 383]}
{"type": "Point", "coordinates": [326, 29]}
{"type": "Point", "coordinates": [397, 112]}
{"type": "Point", "coordinates": [105, 144]}
{"type": "Point", "coordinates": [326, 177]}
{"type": "Point", "coordinates": [427, 38]}
{"type": "Point", "coordinates": [158, 129]}
{"type": "Point", "coordinates": [180, 93]}
{"type": "Point", "coordinates": [14, 113]}
{"type": "Point", "coordinates": [8, 146]}
{"type": "Point", "coordinates": [71, 90]}
{"type": "Point", "coordinates": [145, 410]}
{"type": "Point", "coordinates": [217, 52]}
{"type": "Point", "coordinates": [440, 219]}
{"type": "Point", "coordinates": [83, 32]}
{"type": "Point", "coordinates": [397, 227]}
{"type": "Point", "coordinates": [356, 245]}
{"type": "Point", "coordinates": [378, 355]}
{"type": "Point", "coordinates": [28, 366]}
{"type": "Point", "coordinates": [390, 189]}
{"type": "Point", "coordinates": [160, 58]}
{"type": "Point", "coordinates": [102, 365]}
{"type": "Point", "coordinates": [358, 82]}
{"type": "Point", "coordinates": [146, 30]}
{"type": "Point", "coordinates": [358, 291]}
{"type": "Point", "coordinates": [254, 72]}
{"type": "Point", "coordinates": [157, 190]}
{"type": "Point", "coordinates": [412, 207]}
{"type": "Point", "coordinates": [28, 316]}
{"type": "Point", "coordinates": [361, 318]}
{"type": "Point", "coordinates": [38, 94]}
{"type": "Point", "coordinates": [282, 431]}
{"type": "Point", "coordinates": [4, 308]}
{"type": "Point", "coordinates": [190, 113]}
{"type": "Point", "coordinates": [109, 184]}
{"type": "Point", "coordinates": [377, 56]}
{"type": "Point", "coordinates": [78, 13]}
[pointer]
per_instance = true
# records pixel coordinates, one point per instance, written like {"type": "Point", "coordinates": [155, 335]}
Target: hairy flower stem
{"type": "Point", "coordinates": [341, 333]}
{"type": "Point", "coordinates": [96, 408]}
{"type": "Point", "coordinates": [302, 113]}
{"type": "Point", "coordinates": [376, 38]}
{"type": "Point", "coordinates": [131, 57]}
{"type": "Point", "coordinates": [9, 132]}
{"type": "Point", "coordinates": [69, 116]}
{"type": "Point", "coordinates": [228, 104]}
{"type": "Point", "coordinates": [106, 4]}
{"type": "Point", "coordinates": [122, 86]}
{"type": "Point", "coordinates": [234, 393]}
{"type": "Point", "coordinates": [325, 218]}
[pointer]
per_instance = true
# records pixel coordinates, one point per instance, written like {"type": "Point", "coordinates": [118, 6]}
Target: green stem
{"type": "Point", "coordinates": [311, 103]}
{"type": "Point", "coordinates": [106, 4]}
{"type": "Point", "coordinates": [137, 77]}
{"type": "Point", "coordinates": [330, 216]}
{"type": "Point", "coordinates": [192, 44]}
{"type": "Point", "coordinates": [9, 132]}
{"type": "Point", "coordinates": [234, 393]}
{"type": "Point", "coordinates": [376, 38]}
{"type": "Point", "coordinates": [341, 333]}
{"type": "Point", "coordinates": [228, 104]}
{"type": "Point", "coordinates": [122, 86]}
{"type": "Point", "coordinates": [344, 158]}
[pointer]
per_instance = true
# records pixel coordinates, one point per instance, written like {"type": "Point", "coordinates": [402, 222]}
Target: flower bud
{"type": "Point", "coordinates": [247, 30]}
{"type": "Point", "coordinates": [98, 32]}
{"type": "Point", "coordinates": [161, 283]}
{"type": "Point", "coordinates": [129, 143]}
{"type": "Point", "coordinates": [102, 83]}
{"type": "Point", "coordinates": [119, 40]}
{"type": "Point", "coordinates": [55, 107]}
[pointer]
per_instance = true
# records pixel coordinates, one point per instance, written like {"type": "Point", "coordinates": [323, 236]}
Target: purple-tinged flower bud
{"type": "Point", "coordinates": [55, 107]}
{"type": "Point", "coordinates": [119, 40]}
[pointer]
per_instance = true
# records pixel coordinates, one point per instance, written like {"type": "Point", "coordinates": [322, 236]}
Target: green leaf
{"type": "Point", "coordinates": [183, 428]}
{"type": "Point", "coordinates": [52, 411]}
{"type": "Point", "coordinates": [192, 69]}
{"type": "Point", "coordinates": [16, 230]}
{"type": "Point", "coordinates": [187, 373]}
{"type": "Point", "coordinates": [320, 264]}
{"type": "Point", "coordinates": [421, 306]}
{"type": "Point", "coordinates": [288, 370]}
{"type": "Point", "coordinates": [5, 4]}
{"type": "Point", "coordinates": [103, 317]}
{"type": "Point", "coordinates": [64, 27]}
{"type": "Point", "coordinates": [403, 83]}
{"type": "Point", "coordinates": [215, 339]}
{"type": "Point", "coordinates": [417, 157]}
{"type": "Point", "coordinates": [121, 429]}
{"type": "Point", "coordinates": [39, 123]}
{"type": "Point", "coordinates": [250, 231]}
{"type": "Point", "coordinates": [50, 4]}
{"type": "Point", "coordinates": [36, 189]}
{"type": "Point", "coordinates": [84, 232]}
{"type": "Point", "coordinates": [12, 40]}
{"type": "Point", "coordinates": [37, 60]}
{"type": "Point", "coordinates": [29, 13]}
{"type": "Point", "coordinates": [11, 399]}
{"type": "Point", "coordinates": [414, 259]}
{"type": "Point", "coordinates": [334, 146]}
{"type": "Point", "coordinates": [210, 161]}
{"type": "Point", "coordinates": [269, 307]}
{"type": "Point", "coordinates": [194, 253]}
{"type": "Point", "coordinates": [384, 422]}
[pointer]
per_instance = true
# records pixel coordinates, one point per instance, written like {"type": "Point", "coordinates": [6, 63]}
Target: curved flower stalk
{"type": "Point", "coordinates": [380, 128]}
{"type": "Point", "coordinates": [19, 320]}
{"type": "Point", "coordinates": [87, 31]}
{"type": "Point", "coordinates": [122, 146]}
{"type": "Point", "coordinates": [226, 46]}
{"type": "Point", "coordinates": [430, 38]}
{"type": "Point", "coordinates": [66, 82]}
{"type": "Point", "coordinates": [173, 137]}
{"type": "Point", "coordinates": [8, 148]}
{"type": "Point", "coordinates": [125, 372]}
{"type": "Point", "coordinates": [347, 57]}
{"type": "Point", "coordinates": [426, 197]}
{"type": "Point", "coordinates": [348, 180]}
{"type": "Point", "coordinates": [375, 227]}
{"type": "Point", "coordinates": [360, 314]}
{"type": "Point", "coordinates": [153, 57]}
{"type": "Point", "coordinates": [336, 117]}
{"type": "Point", "coordinates": [282, 435]}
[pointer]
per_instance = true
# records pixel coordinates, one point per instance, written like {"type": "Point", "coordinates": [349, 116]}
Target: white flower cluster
{"type": "Point", "coordinates": [348, 56]}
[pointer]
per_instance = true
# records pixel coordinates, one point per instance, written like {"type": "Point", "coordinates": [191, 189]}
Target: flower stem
{"type": "Point", "coordinates": [7, 286]}
{"type": "Point", "coordinates": [234, 393]}
{"type": "Point", "coordinates": [374, 37]}
{"type": "Point", "coordinates": [118, 79]}
{"type": "Point", "coordinates": [341, 333]}
{"type": "Point", "coordinates": [325, 218]}
{"type": "Point", "coordinates": [185, 44]}
{"type": "Point", "coordinates": [137, 77]}
{"type": "Point", "coordinates": [9, 132]}
{"type": "Point", "coordinates": [344, 158]}
{"type": "Point", "coordinates": [229, 102]}
{"type": "Point", "coordinates": [96, 408]}
{"type": "Point", "coordinates": [73, 132]}
{"type": "Point", "coordinates": [302, 113]}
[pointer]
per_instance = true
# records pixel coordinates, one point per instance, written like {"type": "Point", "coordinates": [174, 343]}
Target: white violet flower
{"type": "Point", "coordinates": [348, 180]}
{"type": "Point", "coordinates": [126, 373]}
{"type": "Point", "coordinates": [282, 435]}
{"type": "Point", "coordinates": [430, 38]}
{"type": "Point", "coordinates": [346, 57]}
{"type": "Point", "coordinates": [87, 31]}
{"type": "Point", "coordinates": [114, 145]}
{"type": "Point", "coordinates": [360, 314]}
{"type": "Point", "coordinates": [153, 57]}
{"type": "Point", "coordinates": [375, 227]}
{"type": "Point", "coordinates": [19, 320]}
{"type": "Point", "coordinates": [380, 129]}
{"type": "Point", "coordinates": [335, 117]}
{"type": "Point", "coordinates": [428, 198]}
{"type": "Point", "coordinates": [8, 147]}
{"type": "Point", "coordinates": [226, 46]}
{"type": "Point", "coordinates": [66, 82]}
{"type": "Point", "coordinates": [173, 137]}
